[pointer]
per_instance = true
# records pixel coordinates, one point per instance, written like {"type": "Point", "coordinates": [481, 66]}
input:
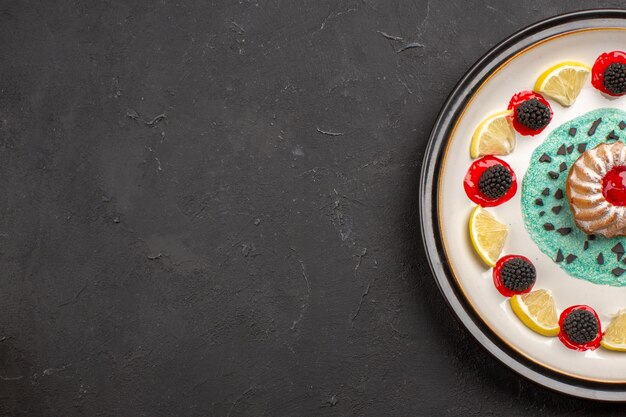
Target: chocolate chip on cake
{"type": "Point", "coordinates": [594, 126]}
{"type": "Point", "coordinates": [559, 256]}
{"type": "Point", "coordinates": [558, 194]}
{"type": "Point", "coordinates": [618, 250]}
{"type": "Point", "coordinates": [612, 136]}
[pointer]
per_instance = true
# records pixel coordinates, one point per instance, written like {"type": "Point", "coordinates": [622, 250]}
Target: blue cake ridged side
{"type": "Point", "coordinates": [575, 252]}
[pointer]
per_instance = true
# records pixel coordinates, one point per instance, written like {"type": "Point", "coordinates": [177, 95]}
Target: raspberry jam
{"type": "Point", "coordinates": [603, 61]}
{"type": "Point", "coordinates": [516, 101]}
{"type": "Point", "coordinates": [470, 183]}
{"type": "Point", "coordinates": [614, 186]}
{"type": "Point", "coordinates": [593, 345]}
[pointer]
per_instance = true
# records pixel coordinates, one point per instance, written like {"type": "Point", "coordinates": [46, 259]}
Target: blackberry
{"type": "Point", "coordinates": [495, 181]}
{"type": "Point", "coordinates": [518, 275]}
{"type": "Point", "coordinates": [581, 326]}
{"type": "Point", "coordinates": [533, 114]}
{"type": "Point", "coordinates": [615, 78]}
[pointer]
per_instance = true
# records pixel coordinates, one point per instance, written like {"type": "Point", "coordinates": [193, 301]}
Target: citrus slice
{"type": "Point", "coordinates": [563, 82]}
{"type": "Point", "coordinates": [487, 234]}
{"type": "Point", "coordinates": [537, 311]}
{"type": "Point", "coordinates": [615, 336]}
{"type": "Point", "coordinates": [494, 136]}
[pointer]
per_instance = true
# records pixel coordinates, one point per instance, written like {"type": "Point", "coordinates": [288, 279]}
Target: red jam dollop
{"type": "Point", "coordinates": [470, 183]}
{"type": "Point", "coordinates": [497, 276]}
{"type": "Point", "coordinates": [614, 186]}
{"type": "Point", "coordinates": [593, 345]}
{"type": "Point", "coordinates": [603, 61]}
{"type": "Point", "coordinates": [516, 101]}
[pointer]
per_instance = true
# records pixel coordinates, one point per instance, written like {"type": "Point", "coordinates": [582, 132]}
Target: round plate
{"type": "Point", "coordinates": [465, 282]}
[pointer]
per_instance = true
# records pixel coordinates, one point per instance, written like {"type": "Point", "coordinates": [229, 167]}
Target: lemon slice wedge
{"type": "Point", "coordinates": [615, 336]}
{"type": "Point", "coordinates": [494, 135]}
{"type": "Point", "coordinates": [537, 311]}
{"type": "Point", "coordinates": [487, 234]}
{"type": "Point", "coordinates": [563, 82]}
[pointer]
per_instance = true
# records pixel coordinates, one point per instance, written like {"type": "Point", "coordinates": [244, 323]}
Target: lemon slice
{"type": "Point", "coordinates": [615, 336]}
{"type": "Point", "coordinates": [494, 136]}
{"type": "Point", "coordinates": [487, 234]}
{"type": "Point", "coordinates": [537, 311]}
{"type": "Point", "coordinates": [563, 82]}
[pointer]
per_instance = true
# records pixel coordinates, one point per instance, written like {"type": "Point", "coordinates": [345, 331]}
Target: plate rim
{"type": "Point", "coordinates": [434, 154]}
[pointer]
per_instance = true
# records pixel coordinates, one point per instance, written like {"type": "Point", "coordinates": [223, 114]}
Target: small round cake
{"type": "Point", "coordinates": [596, 189]}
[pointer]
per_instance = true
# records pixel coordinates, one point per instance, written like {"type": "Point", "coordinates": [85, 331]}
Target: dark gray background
{"type": "Point", "coordinates": [255, 251]}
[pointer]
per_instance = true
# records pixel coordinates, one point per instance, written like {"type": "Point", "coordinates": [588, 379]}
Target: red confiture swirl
{"type": "Point", "coordinates": [470, 183]}
{"type": "Point", "coordinates": [592, 345]}
{"type": "Point", "coordinates": [599, 67]}
{"type": "Point", "coordinates": [516, 101]}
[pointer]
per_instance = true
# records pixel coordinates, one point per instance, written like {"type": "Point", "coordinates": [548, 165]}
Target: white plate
{"type": "Point", "coordinates": [475, 280]}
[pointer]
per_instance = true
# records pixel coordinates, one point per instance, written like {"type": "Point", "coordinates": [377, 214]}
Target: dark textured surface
{"type": "Point", "coordinates": [255, 251]}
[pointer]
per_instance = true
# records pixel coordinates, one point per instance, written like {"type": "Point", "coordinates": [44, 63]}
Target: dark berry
{"type": "Point", "coordinates": [475, 176]}
{"type": "Point", "coordinates": [518, 275]}
{"type": "Point", "coordinates": [495, 181]}
{"type": "Point", "coordinates": [615, 78]}
{"type": "Point", "coordinates": [533, 114]}
{"type": "Point", "coordinates": [581, 326]}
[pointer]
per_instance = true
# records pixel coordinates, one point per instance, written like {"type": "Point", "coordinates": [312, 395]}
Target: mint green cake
{"type": "Point", "coordinates": [545, 207]}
